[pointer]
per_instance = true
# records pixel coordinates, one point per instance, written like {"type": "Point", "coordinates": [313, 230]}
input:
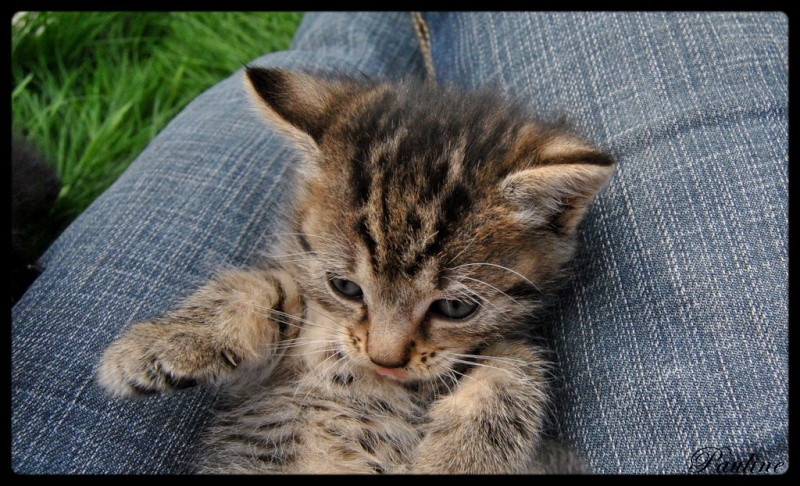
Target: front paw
{"type": "Point", "coordinates": [491, 423]}
{"type": "Point", "coordinates": [152, 358]}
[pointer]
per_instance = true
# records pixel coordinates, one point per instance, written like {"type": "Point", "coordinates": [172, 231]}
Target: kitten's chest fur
{"type": "Point", "coordinates": [319, 414]}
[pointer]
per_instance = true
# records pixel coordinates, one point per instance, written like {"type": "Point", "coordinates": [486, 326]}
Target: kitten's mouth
{"type": "Point", "coordinates": [394, 373]}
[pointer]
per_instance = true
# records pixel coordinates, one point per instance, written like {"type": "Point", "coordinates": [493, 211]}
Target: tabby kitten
{"type": "Point", "coordinates": [387, 334]}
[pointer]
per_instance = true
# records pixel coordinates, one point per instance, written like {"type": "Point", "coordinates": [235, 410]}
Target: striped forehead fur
{"type": "Point", "coordinates": [414, 173]}
{"type": "Point", "coordinates": [419, 163]}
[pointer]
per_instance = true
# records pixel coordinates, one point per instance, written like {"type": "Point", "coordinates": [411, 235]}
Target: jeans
{"type": "Point", "coordinates": [670, 337]}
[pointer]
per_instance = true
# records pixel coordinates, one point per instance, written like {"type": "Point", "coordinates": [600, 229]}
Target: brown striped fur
{"type": "Point", "coordinates": [335, 354]}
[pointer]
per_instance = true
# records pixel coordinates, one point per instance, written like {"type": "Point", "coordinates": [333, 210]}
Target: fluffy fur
{"type": "Point", "coordinates": [387, 333]}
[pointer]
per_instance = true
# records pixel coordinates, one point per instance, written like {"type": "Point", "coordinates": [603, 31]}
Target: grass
{"type": "Point", "coordinates": [91, 89]}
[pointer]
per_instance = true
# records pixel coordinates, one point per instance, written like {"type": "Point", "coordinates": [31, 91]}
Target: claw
{"type": "Point", "coordinates": [232, 358]}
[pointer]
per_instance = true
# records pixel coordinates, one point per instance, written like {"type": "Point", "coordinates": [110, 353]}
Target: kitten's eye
{"type": "Point", "coordinates": [347, 288]}
{"type": "Point", "coordinates": [454, 309]}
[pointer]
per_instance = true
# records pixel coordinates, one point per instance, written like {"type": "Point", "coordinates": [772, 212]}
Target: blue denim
{"type": "Point", "coordinates": [671, 336]}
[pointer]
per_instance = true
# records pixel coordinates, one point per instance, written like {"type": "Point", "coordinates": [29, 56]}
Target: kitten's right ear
{"type": "Point", "coordinates": [293, 102]}
{"type": "Point", "coordinates": [556, 191]}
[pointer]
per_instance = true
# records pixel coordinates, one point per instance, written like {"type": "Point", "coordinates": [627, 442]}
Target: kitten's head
{"type": "Point", "coordinates": [431, 221]}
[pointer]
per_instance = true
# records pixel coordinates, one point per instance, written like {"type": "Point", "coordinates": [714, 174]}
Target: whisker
{"type": "Point", "coordinates": [325, 316]}
{"type": "Point", "coordinates": [275, 312]}
{"type": "Point", "coordinates": [471, 363]}
{"type": "Point", "coordinates": [284, 345]}
{"type": "Point", "coordinates": [444, 381]}
{"type": "Point", "coordinates": [465, 375]}
{"type": "Point", "coordinates": [523, 277]}
{"type": "Point", "coordinates": [504, 359]}
{"type": "Point", "coordinates": [309, 353]}
{"type": "Point", "coordinates": [319, 377]}
{"type": "Point", "coordinates": [467, 294]}
{"type": "Point", "coordinates": [491, 286]}
{"type": "Point", "coordinates": [465, 249]}
{"type": "Point", "coordinates": [283, 320]}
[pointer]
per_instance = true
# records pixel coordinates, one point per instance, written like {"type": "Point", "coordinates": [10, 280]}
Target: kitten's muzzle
{"type": "Point", "coordinates": [389, 365]}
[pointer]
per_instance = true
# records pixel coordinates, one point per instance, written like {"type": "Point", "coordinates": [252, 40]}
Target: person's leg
{"type": "Point", "coordinates": [204, 194]}
{"type": "Point", "coordinates": [673, 335]}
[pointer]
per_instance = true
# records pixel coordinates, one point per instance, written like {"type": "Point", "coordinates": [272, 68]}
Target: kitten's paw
{"type": "Point", "coordinates": [153, 358]}
{"type": "Point", "coordinates": [491, 422]}
{"type": "Point", "coordinates": [231, 323]}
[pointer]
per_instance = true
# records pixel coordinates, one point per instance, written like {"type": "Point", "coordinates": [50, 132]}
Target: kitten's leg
{"type": "Point", "coordinates": [492, 422]}
{"type": "Point", "coordinates": [231, 323]}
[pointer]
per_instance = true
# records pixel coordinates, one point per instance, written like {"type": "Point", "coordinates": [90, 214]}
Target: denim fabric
{"type": "Point", "coordinates": [671, 336]}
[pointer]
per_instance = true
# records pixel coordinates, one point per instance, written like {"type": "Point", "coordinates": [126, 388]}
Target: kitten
{"type": "Point", "coordinates": [388, 333]}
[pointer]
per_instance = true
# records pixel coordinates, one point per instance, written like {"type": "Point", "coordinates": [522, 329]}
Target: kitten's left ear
{"type": "Point", "coordinates": [295, 103]}
{"type": "Point", "coordinates": [556, 191]}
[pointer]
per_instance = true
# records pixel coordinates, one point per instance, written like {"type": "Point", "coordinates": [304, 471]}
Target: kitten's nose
{"type": "Point", "coordinates": [390, 339]}
{"type": "Point", "coordinates": [387, 364]}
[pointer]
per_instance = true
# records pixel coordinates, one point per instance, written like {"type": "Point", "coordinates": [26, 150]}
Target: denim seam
{"type": "Point", "coordinates": [424, 36]}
